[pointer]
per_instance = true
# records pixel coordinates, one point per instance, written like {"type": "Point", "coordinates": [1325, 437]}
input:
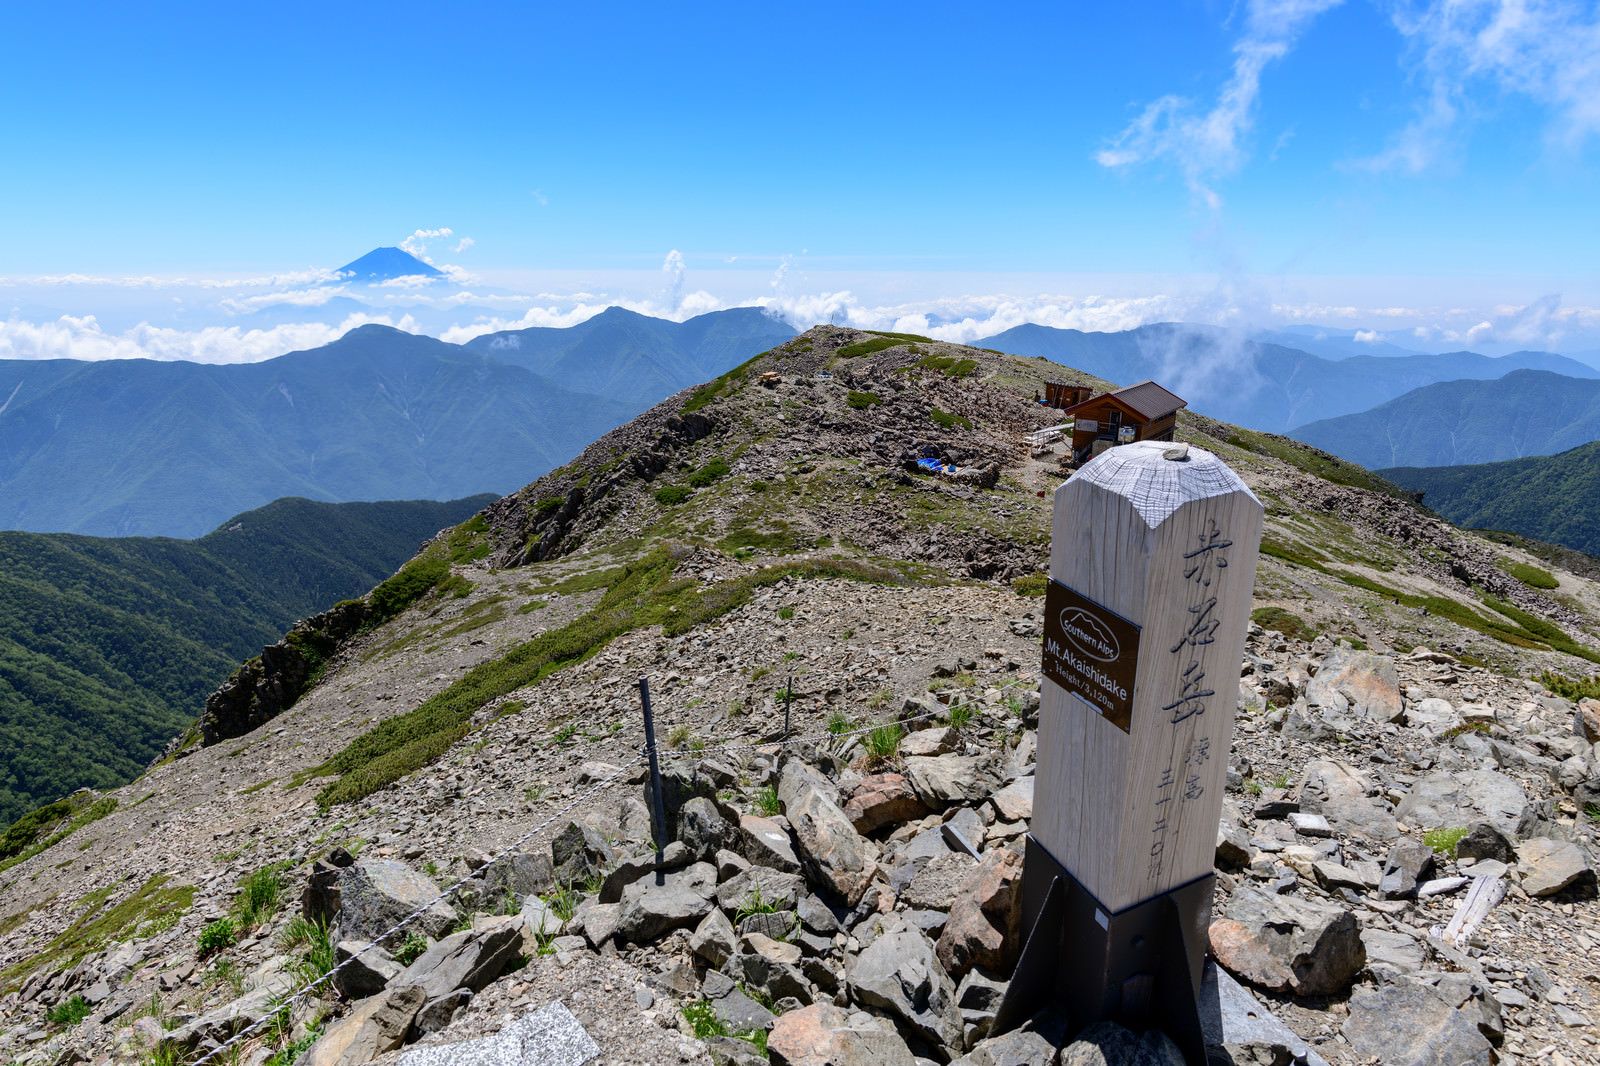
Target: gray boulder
{"type": "Point", "coordinates": [830, 848]}
{"type": "Point", "coordinates": [1109, 1044]}
{"type": "Point", "coordinates": [1410, 862]}
{"type": "Point", "coordinates": [824, 1035]}
{"type": "Point", "coordinates": [714, 939]}
{"type": "Point", "coordinates": [1484, 841]}
{"type": "Point", "coordinates": [764, 841]}
{"type": "Point", "coordinates": [1339, 793]}
{"type": "Point", "coordinates": [377, 893]}
{"type": "Point", "coordinates": [774, 888]}
{"type": "Point", "coordinates": [1362, 682]}
{"type": "Point", "coordinates": [1404, 1023]}
{"type": "Point", "coordinates": [466, 960]}
{"type": "Point", "coordinates": [1446, 800]}
{"type": "Point", "coordinates": [776, 976]}
{"type": "Point", "coordinates": [516, 875]}
{"type": "Point", "coordinates": [1549, 866]}
{"type": "Point", "coordinates": [900, 972]}
{"type": "Point", "coordinates": [736, 1010]}
{"type": "Point", "coordinates": [942, 780]}
{"type": "Point", "coordinates": [704, 830]}
{"type": "Point", "coordinates": [580, 852]}
{"type": "Point", "coordinates": [365, 969]}
{"type": "Point", "coordinates": [1285, 944]}
{"type": "Point", "coordinates": [373, 1026]}
{"type": "Point", "coordinates": [661, 902]}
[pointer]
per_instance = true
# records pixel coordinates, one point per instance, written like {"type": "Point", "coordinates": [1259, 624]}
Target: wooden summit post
{"type": "Point", "coordinates": [1152, 563]}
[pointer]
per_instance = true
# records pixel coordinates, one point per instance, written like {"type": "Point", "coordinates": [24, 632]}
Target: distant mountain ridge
{"type": "Point", "coordinates": [636, 358]}
{"type": "Point", "coordinates": [1262, 386]}
{"type": "Point", "coordinates": [137, 447]}
{"type": "Point", "coordinates": [1451, 423]}
{"type": "Point", "coordinates": [109, 646]}
{"type": "Point", "coordinates": [1553, 498]}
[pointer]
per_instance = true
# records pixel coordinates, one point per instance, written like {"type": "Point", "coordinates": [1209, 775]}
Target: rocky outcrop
{"type": "Point", "coordinates": [269, 684]}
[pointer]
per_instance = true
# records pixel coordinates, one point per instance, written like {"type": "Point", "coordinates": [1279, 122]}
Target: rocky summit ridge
{"type": "Point", "coordinates": [1406, 858]}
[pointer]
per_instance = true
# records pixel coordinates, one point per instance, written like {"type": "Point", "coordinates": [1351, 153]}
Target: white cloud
{"type": "Point", "coordinates": [463, 244]}
{"type": "Point", "coordinates": [293, 297]}
{"type": "Point", "coordinates": [73, 337]}
{"type": "Point", "coordinates": [1547, 51]}
{"type": "Point", "coordinates": [417, 243]}
{"type": "Point", "coordinates": [1207, 146]}
{"type": "Point", "coordinates": [290, 279]}
{"type": "Point", "coordinates": [672, 267]}
{"type": "Point", "coordinates": [1368, 336]}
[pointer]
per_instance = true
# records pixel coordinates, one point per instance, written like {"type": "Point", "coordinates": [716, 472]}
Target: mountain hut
{"type": "Point", "coordinates": [1145, 411]}
{"type": "Point", "coordinates": [1060, 395]}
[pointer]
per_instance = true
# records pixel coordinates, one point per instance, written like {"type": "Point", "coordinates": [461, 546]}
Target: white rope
{"type": "Point", "coordinates": [303, 993]}
{"type": "Point", "coordinates": [937, 712]}
{"type": "Point", "coordinates": [408, 919]}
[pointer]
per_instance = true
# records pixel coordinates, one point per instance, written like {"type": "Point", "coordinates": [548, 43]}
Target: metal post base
{"type": "Point", "coordinates": [1141, 968]}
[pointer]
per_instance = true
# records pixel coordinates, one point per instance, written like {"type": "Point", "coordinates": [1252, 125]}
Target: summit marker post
{"type": "Point", "coordinates": [1152, 563]}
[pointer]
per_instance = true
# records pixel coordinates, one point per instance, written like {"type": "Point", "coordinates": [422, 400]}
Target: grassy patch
{"type": "Point", "coordinates": [1031, 585]}
{"type": "Point", "coordinates": [644, 593]}
{"type": "Point", "coordinates": [710, 474]}
{"type": "Point", "coordinates": [467, 542]}
{"type": "Point", "coordinates": [152, 904]}
{"type": "Point", "coordinates": [1298, 554]}
{"type": "Point", "coordinates": [883, 743]}
{"type": "Point", "coordinates": [672, 495]}
{"type": "Point", "coordinates": [1313, 461]}
{"type": "Point", "coordinates": [862, 400]}
{"type": "Point", "coordinates": [415, 580]}
{"type": "Point", "coordinates": [1571, 688]}
{"type": "Point", "coordinates": [1286, 622]}
{"type": "Point", "coordinates": [861, 348]}
{"type": "Point", "coordinates": [946, 420]}
{"type": "Point", "coordinates": [63, 818]}
{"type": "Point", "coordinates": [1529, 574]}
{"type": "Point", "coordinates": [1445, 840]}
{"type": "Point", "coordinates": [708, 392]}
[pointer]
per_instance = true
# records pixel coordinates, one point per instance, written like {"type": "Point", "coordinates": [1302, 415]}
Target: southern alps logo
{"type": "Point", "coordinates": [1089, 635]}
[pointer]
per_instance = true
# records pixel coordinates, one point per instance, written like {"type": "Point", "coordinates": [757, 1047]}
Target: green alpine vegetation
{"type": "Point", "coordinates": [108, 647]}
{"type": "Point", "coordinates": [1553, 498]}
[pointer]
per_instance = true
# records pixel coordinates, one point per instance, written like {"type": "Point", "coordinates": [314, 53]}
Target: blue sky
{"type": "Point", "coordinates": [1367, 165]}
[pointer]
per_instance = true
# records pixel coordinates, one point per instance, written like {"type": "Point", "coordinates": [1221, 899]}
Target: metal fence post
{"type": "Point", "coordinates": [658, 811]}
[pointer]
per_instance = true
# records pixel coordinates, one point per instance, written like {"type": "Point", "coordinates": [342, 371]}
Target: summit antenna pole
{"type": "Point", "coordinates": [658, 819]}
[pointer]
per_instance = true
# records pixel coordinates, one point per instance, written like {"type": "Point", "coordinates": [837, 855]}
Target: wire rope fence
{"type": "Point", "coordinates": [646, 751]}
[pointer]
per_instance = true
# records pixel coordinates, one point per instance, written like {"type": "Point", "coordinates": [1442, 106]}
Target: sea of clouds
{"type": "Point", "coordinates": [249, 319]}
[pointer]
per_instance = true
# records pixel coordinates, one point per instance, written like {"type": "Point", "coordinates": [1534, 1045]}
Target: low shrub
{"type": "Point", "coordinates": [1031, 585]}
{"type": "Point", "coordinates": [1532, 576]}
{"type": "Point", "coordinates": [709, 474]}
{"type": "Point", "coordinates": [1286, 622]}
{"type": "Point", "coordinates": [860, 348]}
{"type": "Point", "coordinates": [862, 400]}
{"type": "Point", "coordinates": [672, 495]}
{"type": "Point", "coordinates": [946, 420]}
{"type": "Point", "coordinates": [415, 580]}
{"type": "Point", "coordinates": [218, 935]}
{"type": "Point", "coordinates": [1445, 840]}
{"type": "Point", "coordinates": [70, 1012]}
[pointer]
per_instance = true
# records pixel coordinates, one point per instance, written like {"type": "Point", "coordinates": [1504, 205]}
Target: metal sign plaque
{"type": "Point", "coordinates": [1091, 652]}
